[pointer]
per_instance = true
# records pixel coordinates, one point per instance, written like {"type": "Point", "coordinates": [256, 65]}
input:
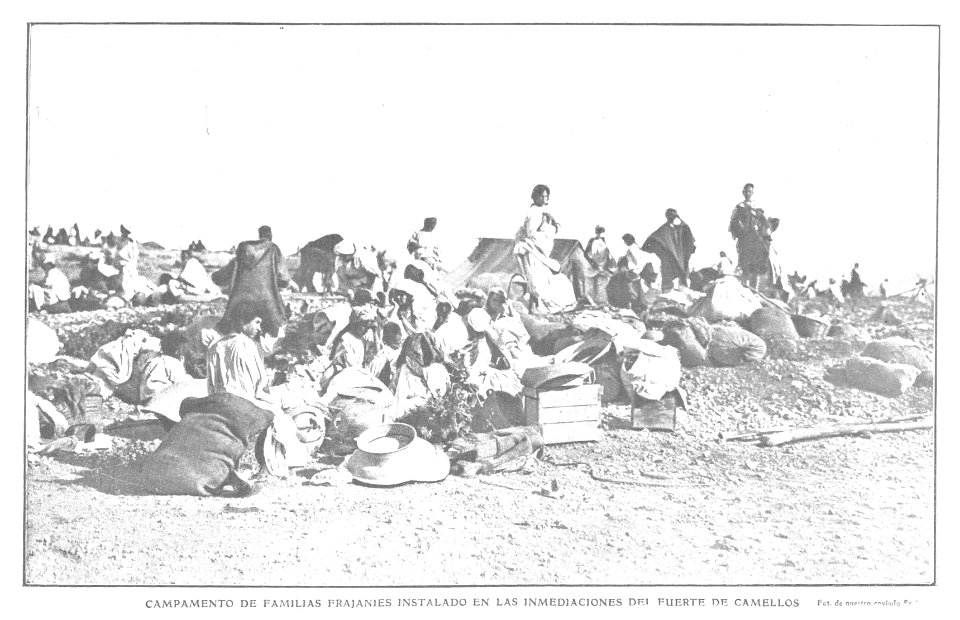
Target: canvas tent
{"type": "Point", "coordinates": [492, 263]}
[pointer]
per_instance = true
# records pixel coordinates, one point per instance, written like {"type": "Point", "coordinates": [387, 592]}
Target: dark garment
{"type": "Point", "coordinates": [673, 245]}
{"type": "Point", "coordinates": [419, 351]}
{"type": "Point", "coordinates": [856, 285]}
{"type": "Point", "coordinates": [749, 226]}
{"type": "Point", "coordinates": [202, 450]}
{"type": "Point", "coordinates": [257, 275]}
{"type": "Point", "coordinates": [623, 291]}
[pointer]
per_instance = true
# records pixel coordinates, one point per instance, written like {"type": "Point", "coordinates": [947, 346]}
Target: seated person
{"type": "Point", "coordinates": [53, 296]}
{"type": "Point", "coordinates": [153, 371]}
{"type": "Point", "coordinates": [384, 361]}
{"type": "Point", "coordinates": [170, 291]}
{"type": "Point", "coordinates": [413, 306]}
{"type": "Point", "coordinates": [235, 363]}
{"type": "Point", "coordinates": [159, 371]}
{"type": "Point", "coordinates": [467, 342]}
{"type": "Point", "coordinates": [509, 334]}
{"type": "Point", "coordinates": [195, 280]}
{"type": "Point", "coordinates": [356, 268]}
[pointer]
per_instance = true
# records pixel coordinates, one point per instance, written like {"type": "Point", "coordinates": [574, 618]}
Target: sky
{"type": "Point", "coordinates": [186, 132]}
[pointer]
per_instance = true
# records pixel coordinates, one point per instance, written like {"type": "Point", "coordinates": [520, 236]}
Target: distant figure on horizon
{"type": "Point", "coordinates": [856, 285]}
{"type": "Point", "coordinates": [726, 266]}
{"type": "Point", "coordinates": [126, 259]}
{"type": "Point", "coordinates": [752, 232]}
{"type": "Point", "coordinates": [673, 243]}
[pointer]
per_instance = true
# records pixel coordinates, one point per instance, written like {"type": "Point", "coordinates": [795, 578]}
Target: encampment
{"type": "Point", "coordinates": [492, 263]}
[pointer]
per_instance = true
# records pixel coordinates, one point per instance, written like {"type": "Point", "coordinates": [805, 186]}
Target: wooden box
{"type": "Point", "coordinates": [565, 415]}
{"type": "Point", "coordinates": [658, 415]}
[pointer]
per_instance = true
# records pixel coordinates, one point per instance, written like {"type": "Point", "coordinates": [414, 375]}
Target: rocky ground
{"type": "Point", "coordinates": [637, 507]}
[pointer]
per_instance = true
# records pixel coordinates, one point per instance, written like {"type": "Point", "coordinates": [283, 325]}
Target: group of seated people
{"type": "Point", "coordinates": [102, 285]}
{"type": "Point", "coordinates": [420, 336]}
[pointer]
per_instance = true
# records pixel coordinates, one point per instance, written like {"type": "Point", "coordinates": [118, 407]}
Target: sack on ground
{"type": "Point", "coordinates": [880, 377]}
{"type": "Point", "coordinates": [683, 338]}
{"type": "Point", "coordinates": [201, 451]}
{"type": "Point", "coordinates": [652, 371]}
{"type": "Point", "coordinates": [770, 323]}
{"type": "Point", "coordinates": [733, 346]}
{"type": "Point", "coordinates": [899, 351]}
{"type": "Point", "coordinates": [352, 416]}
{"type": "Point", "coordinates": [728, 300]}
{"type": "Point", "coordinates": [499, 451]}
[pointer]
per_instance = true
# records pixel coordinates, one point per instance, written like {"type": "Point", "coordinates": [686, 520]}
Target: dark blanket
{"type": "Point", "coordinates": [673, 245]}
{"type": "Point", "coordinates": [201, 452]}
{"type": "Point", "coordinates": [257, 277]}
{"type": "Point", "coordinates": [752, 231]}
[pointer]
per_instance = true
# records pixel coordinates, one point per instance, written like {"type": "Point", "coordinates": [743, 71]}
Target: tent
{"type": "Point", "coordinates": [492, 263]}
{"type": "Point", "coordinates": [316, 256]}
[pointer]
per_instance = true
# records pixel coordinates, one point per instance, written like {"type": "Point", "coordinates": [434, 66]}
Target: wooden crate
{"type": "Point", "coordinates": [658, 415]}
{"type": "Point", "coordinates": [565, 415]}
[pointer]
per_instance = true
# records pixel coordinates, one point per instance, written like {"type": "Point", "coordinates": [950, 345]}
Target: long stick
{"type": "Point", "coordinates": [777, 439]}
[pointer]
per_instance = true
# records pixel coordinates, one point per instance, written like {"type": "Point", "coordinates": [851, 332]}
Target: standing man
{"type": "Point", "coordinates": [752, 232]}
{"type": "Point", "coordinates": [423, 244]}
{"type": "Point", "coordinates": [643, 265]}
{"type": "Point", "coordinates": [856, 284]}
{"type": "Point", "coordinates": [126, 258]}
{"type": "Point", "coordinates": [600, 263]}
{"type": "Point", "coordinates": [258, 275]}
{"type": "Point", "coordinates": [673, 243]}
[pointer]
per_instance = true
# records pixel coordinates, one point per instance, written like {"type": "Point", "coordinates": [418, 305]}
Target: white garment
{"type": "Point", "coordinates": [195, 275]}
{"type": "Point", "coordinates": [452, 335]}
{"type": "Point", "coordinates": [234, 365]}
{"type": "Point", "coordinates": [157, 373]}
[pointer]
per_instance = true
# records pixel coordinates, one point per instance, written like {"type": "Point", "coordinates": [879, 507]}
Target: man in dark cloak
{"type": "Point", "coordinates": [752, 232]}
{"type": "Point", "coordinates": [258, 274]}
{"type": "Point", "coordinates": [856, 285]}
{"type": "Point", "coordinates": [673, 243]}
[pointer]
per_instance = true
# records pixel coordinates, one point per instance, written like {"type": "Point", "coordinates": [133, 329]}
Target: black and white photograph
{"type": "Point", "coordinates": [399, 304]}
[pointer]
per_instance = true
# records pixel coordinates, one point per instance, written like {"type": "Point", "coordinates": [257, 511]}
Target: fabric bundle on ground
{"type": "Point", "coordinates": [625, 327]}
{"type": "Point", "coordinates": [899, 351]}
{"type": "Point", "coordinates": [770, 323]}
{"type": "Point", "coordinates": [166, 404]}
{"type": "Point", "coordinates": [886, 315]}
{"type": "Point", "coordinates": [845, 332]}
{"type": "Point", "coordinates": [875, 376]}
{"type": "Point", "coordinates": [202, 451]}
{"type": "Point", "coordinates": [653, 372]}
{"type": "Point", "coordinates": [690, 338]}
{"type": "Point", "coordinates": [113, 363]}
{"type": "Point", "coordinates": [727, 300]}
{"type": "Point", "coordinates": [359, 401]}
{"type": "Point", "coordinates": [504, 450]}
{"type": "Point", "coordinates": [733, 346]}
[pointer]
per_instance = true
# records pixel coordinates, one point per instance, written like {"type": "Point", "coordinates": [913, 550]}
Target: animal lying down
{"type": "Point", "coordinates": [201, 453]}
